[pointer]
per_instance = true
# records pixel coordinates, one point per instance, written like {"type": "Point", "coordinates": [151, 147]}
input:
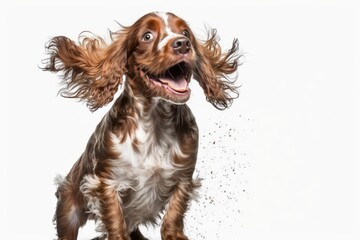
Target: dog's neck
{"type": "Point", "coordinates": [132, 107]}
{"type": "Point", "coordinates": [133, 103]}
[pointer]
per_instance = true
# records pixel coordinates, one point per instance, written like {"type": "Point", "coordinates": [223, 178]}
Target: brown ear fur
{"type": "Point", "coordinates": [213, 69]}
{"type": "Point", "coordinates": [92, 70]}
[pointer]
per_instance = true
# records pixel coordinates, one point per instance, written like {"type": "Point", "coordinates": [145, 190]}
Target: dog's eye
{"type": "Point", "coordinates": [186, 33]}
{"type": "Point", "coordinates": [148, 36]}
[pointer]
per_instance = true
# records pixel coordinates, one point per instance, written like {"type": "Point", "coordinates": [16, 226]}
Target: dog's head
{"type": "Point", "coordinates": [162, 56]}
{"type": "Point", "coordinates": [159, 54]}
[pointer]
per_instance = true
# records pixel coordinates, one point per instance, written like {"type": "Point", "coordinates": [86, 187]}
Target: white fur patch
{"type": "Point", "coordinates": [59, 180]}
{"type": "Point", "coordinates": [170, 34]}
{"type": "Point", "coordinates": [88, 187]}
{"type": "Point", "coordinates": [148, 173]}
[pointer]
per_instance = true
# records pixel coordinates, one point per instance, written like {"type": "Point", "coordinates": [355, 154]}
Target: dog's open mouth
{"type": "Point", "coordinates": [175, 78]}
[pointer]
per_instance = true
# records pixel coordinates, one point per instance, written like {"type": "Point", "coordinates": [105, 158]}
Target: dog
{"type": "Point", "coordinates": [138, 164]}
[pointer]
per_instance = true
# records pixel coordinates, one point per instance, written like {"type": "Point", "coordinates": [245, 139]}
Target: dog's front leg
{"type": "Point", "coordinates": [173, 222]}
{"type": "Point", "coordinates": [112, 215]}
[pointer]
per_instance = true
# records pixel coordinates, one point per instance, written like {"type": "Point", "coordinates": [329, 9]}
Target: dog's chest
{"type": "Point", "coordinates": [144, 174]}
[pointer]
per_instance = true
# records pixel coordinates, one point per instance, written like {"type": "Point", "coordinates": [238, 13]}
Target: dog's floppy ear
{"type": "Point", "coordinates": [92, 69]}
{"type": "Point", "coordinates": [213, 69]}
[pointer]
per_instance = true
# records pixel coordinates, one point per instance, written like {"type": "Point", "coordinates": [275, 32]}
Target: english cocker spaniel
{"type": "Point", "coordinates": [138, 164]}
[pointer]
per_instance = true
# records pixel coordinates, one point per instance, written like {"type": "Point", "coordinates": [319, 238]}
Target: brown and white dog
{"type": "Point", "coordinates": [141, 157]}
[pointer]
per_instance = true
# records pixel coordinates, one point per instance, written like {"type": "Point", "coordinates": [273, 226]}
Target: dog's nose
{"type": "Point", "coordinates": [181, 45]}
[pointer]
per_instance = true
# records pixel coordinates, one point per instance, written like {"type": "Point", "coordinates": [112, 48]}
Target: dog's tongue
{"type": "Point", "coordinates": [179, 85]}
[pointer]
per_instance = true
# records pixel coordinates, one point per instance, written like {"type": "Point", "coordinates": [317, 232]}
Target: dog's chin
{"type": "Point", "coordinates": [172, 85]}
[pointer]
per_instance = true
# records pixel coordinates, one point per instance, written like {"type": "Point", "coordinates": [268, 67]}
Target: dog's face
{"type": "Point", "coordinates": [162, 56]}
{"type": "Point", "coordinates": [158, 54]}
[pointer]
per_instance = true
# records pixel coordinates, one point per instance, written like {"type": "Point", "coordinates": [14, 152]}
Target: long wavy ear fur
{"type": "Point", "coordinates": [213, 69]}
{"type": "Point", "coordinates": [92, 71]}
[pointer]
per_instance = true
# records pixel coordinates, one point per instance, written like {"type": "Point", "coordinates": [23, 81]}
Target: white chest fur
{"type": "Point", "coordinates": [144, 177]}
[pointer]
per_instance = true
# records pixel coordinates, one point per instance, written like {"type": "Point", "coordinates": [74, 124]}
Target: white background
{"type": "Point", "coordinates": [282, 163]}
